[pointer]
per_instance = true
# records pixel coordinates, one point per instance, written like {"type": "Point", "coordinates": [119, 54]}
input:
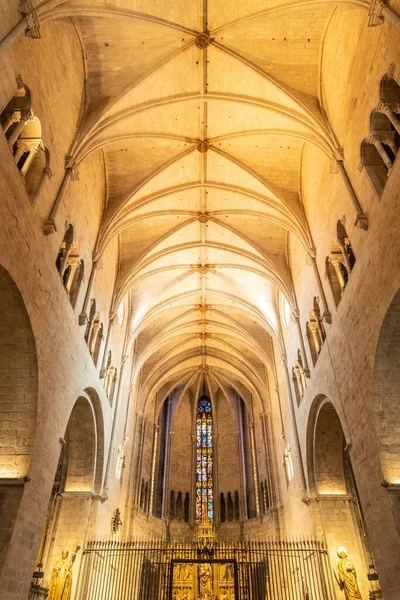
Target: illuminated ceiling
{"type": "Point", "coordinates": [203, 137]}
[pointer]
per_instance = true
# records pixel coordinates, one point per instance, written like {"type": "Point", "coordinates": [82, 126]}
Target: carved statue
{"type": "Point", "coordinates": [61, 577]}
{"type": "Point", "coordinates": [205, 578]}
{"type": "Point", "coordinates": [177, 571]}
{"type": "Point", "coordinates": [346, 576]}
{"type": "Point", "coordinates": [186, 571]}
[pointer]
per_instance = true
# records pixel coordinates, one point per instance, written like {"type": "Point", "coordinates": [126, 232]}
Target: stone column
{"type": "Point", "coordinates": [167, 476]}
{"type": "Point", "coordinates": [315, 335]}
{"type": "Point", "coordinates": [28, 25]}
{"type": "Point", "coordinates": [326, 315]}
{"type": "Point", "coordinates": [97, 264]}
{"type": "Point", "coordinates": [153, 468]}
{"type": "Point", "coordinates": [242, 480]}
{"type": "Point", "coordinates": [111, 322]}
{"type": "Point", "coordinates": [71, 174]}
{"type": "Point", "coordinates": [217, 516]}
{"type": "Point", "coordinates": [13, 118]}
{"type": "Point", "coordinates": [343, 250]}
{"type": "Point", "coordinates": [361, 217]}
{"type": "Point", "coordinates": [390, 111]}
{"type": "Point", "coordinates": [73, 263]}
{"type": "Point", "coordinates": [26, 115]}
{"type": "Point", "coordinates": [255, 469]}
{"type": "Point", "coordinates": [93, 336]}
{"type": "Point", "coordinates": [336, 262]}
{"type": "Point", "coordinates": [265, 421]}
{"type": "Point", "coordinates": [299, 380]}
{"type": "Point", "coordinates": [382, 152]}
{"type": "Point", "coordinates": [114, 427]}
{"type": "Point", "coordinates": [296, 317]}
{"type": "Point", "coordinates": [389, 14]}
{"type": "Point", "coordinates": [33, 150]}
{"type": "Point", "coordinates": [67, 251]}
{"type": "Point", "coordinates": [293, 422]}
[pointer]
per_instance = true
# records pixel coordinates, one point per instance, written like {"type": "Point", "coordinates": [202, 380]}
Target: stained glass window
{"type": "Point", "coordinates": [204, 458]}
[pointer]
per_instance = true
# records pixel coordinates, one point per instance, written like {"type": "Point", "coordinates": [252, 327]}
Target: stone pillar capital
{"type": "Point", "coordinates": [98, 263]}
{"type": "Point", "coordinates": [71, 167]}
{"type": "Point", "coordinates": [29, 15]}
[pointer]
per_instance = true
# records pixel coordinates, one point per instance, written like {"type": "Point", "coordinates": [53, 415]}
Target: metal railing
{"type": "Point", "coordinates": [262, 570]}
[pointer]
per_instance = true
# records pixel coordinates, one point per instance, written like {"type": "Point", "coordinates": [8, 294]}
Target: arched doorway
{"type": "Point", "coordinates": [78, 477]}
{"type": "Point", "coordinates": [386, 396]}
{"type": "Point", "coordinates": [337, 511]}
{"type": "Point", "coordinates": [18, 404]}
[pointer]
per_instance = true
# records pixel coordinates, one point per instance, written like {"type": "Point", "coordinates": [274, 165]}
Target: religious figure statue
{"type": "Point", "coordinates": [205, 578]}
{"type": "Point", "coordinates": [61, 577]}
{"type": "Point", "coordinates": [177, 571]}
{"type": "Point", "coordinates": [346, 576]}
{"type": "Point", "coordinates": [187, 571]}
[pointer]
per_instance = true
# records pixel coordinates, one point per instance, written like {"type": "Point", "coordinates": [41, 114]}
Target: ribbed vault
{"type": "Point", "coordinates": [203, 139]}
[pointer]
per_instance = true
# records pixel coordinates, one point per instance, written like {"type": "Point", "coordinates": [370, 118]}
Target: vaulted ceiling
{"type": "Point", "coordinates": [202, 110]}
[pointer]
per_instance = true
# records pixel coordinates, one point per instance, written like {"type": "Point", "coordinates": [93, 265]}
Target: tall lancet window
{"type": "Point", "coordinates": [204, 465]}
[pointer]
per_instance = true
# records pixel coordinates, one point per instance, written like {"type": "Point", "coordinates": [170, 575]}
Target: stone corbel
{"type": "Point", "coordinates": [375, 17]}
{"type": "Point", "coordinates": [30, 17]}
{"type": "Point", "coordinates": [71, 167]}
{"type": "Point", "coordinates": [379, 12]}
{"type": "Point", "coordinates": [100, 497]}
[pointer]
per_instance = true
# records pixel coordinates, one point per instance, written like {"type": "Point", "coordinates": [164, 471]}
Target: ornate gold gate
{"type": "Point", "coordinates": [278, 570]}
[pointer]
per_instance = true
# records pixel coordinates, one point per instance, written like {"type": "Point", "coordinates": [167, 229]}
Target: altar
{"type": "Point", "coordinates": [204, 580]}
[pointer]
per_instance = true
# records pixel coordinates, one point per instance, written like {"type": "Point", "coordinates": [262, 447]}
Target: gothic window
{"type": "Point", "coordinates": [222, 508]}
{"type": "Point", "coordinates": [229, 507]}
{"type": "Point", "coordinates": [95, 328]}
{"type": "Point", "coordinates": [97, 346]}
{"type": "Point", "coordinates": [76, 282]}
{"type": "Point", "coordinates": [340, 262]}
{"type": "Point", "coordinates": [236, 512]}
{"type": "Point", "coordinates": [69, 265]}
{"type": "Point", "coordinates": [186, 505]}
{"type": "Point", "coordinates": [172, 505]}
{"type": "Point", "coordinates": [315, 331]}
{"type": "Point", "coordinates": [204, 458]}
{"type": "Point", "coordinates": [23, 132]}
{"type": "Point", "coordinates": [179, 506]}
{"type": "Point", "coordinates": [379, 150]}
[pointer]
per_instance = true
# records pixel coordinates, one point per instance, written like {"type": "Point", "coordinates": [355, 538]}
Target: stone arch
{"type": "Point", "coordinates": [386, 392]}
{"type": "Point", "coordinates": [338, 514]}
{"type": "Point", "coordinates": [77, 480]}
{"type": "Point", "coordinates": [84, 445]}
{"type": "Point", "coordinates": [18, 403]}
{"type": "Point", "coordinates": [325, 444]}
